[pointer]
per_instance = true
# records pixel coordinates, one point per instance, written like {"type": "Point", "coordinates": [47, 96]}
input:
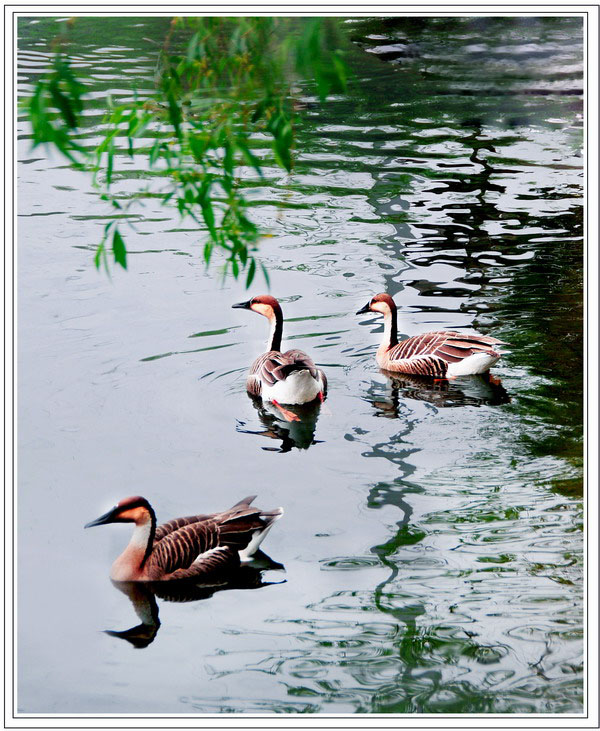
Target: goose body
{"type": "Point", "coordinates": [438, 354]}
{"type": "Point", "coordinates": [289, 377]}
{"type": "Point", "coordinates": [195, 547]}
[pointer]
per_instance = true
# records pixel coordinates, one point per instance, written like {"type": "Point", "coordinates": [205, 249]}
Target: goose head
{"type": "Point", "coordinates": [381, 303]}
{"type": "Point", "coordinates": [264, 304]}
{"type": "Point", "coordinates": [134, 509]}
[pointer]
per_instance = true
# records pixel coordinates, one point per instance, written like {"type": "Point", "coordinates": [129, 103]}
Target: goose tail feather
{"type": "Point", "coordinates": [244, 501]}
{"type": "Point", "coordinates": [269, 517]}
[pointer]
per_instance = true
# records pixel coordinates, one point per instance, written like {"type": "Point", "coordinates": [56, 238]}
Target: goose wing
{"type": "Point", "coordinates": [299, 360]}
{"type": "Point", "coordinates": [172, 525]}
{"type": "Point", "coordinates": [421, 365]}
{"type": "Point", "coordinates": [450, 346]}
{"type": "Point", "coordinates": [183, 547]}
{"type": "Point", "coordinates": [209, 545]}
{"type": "Point", "coordinates": [274, 366]}
{"type": "Point", "coordinates": [211, 566]}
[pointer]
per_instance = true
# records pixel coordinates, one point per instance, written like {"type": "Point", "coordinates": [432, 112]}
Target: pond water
{"type": "Point", "coordinates": [433, 534]}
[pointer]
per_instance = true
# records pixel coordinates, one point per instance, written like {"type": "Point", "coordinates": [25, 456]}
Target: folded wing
{"type": "Point", "coordinates": [451, 347]}
{"type": "Point", "coordinates": [172, 525]}
{"type": "Point", "coordinates": [273, 367]}
{"type": "Point", "coordinates": [197, 548]}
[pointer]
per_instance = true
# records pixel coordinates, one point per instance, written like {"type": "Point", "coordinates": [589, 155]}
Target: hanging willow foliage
{"type": "Point", "coordinates": [219, 82]}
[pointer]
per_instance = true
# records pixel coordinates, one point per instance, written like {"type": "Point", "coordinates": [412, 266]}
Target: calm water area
{"type": "Point", "coordinates": [431, 549]}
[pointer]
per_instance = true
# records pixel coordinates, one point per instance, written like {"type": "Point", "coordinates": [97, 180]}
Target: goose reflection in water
{"type": "Point", "coordinates": [143, 596]}
{"type": "Point", "coordinates": [478, 390]}
{"type": "Point", "coordinates": [299, 433]}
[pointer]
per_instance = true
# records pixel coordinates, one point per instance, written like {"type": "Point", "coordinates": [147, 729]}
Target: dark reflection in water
{"type": "Point", "coordinates": [414, 680]}
{"type": "Point", "coordinates": [299, 434]}
{"type": "Point", "coordinates": [477, 390]}
{"type": "Point", "coordinates": [143, 596]}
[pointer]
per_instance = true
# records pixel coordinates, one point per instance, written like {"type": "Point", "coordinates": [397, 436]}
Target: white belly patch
{"type": "Point", "coordinates": [298, 388]}
{"type": "Point", "coordinates": [476, 363]}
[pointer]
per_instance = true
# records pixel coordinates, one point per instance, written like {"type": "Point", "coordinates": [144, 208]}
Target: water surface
{"type": "Point", "coordinates": [432, 541]}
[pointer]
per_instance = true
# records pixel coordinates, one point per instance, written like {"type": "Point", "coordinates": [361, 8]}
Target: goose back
{"type": "Point", "coordinates": [274, 368]}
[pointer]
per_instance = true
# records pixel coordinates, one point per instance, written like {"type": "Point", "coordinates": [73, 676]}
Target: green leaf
{"type": "Point", "coordinates": [209, 216]}
{"type": "Point", "coordinates": [228, 157]}
{"type": "Point", "coordinates": [198, 146]}
{"type": "Point", "coordinates": [192, 49]}
{"type": "Point", "coordinates": [153, 156]}
{"type": "Point", "coordinates": [109, 163]}
{"type": "Point", "coordinates": [99, 254]}
{"type": "Point", "coordinates": [174, 114]}
{"type": "Point", "coordinates": [64, 105]}
{"type": "Point", "coordinates": [249, 156]}
{"type": "Point", "coordinates": [283, 153]}
{"type": "Point", "coordinates": [341, 70]}
{"type": "Point", "coordinates": [266, 275]}
{"type": "Point", "coordinates": [247, 226]}
{"type": "Point", "coordinates": [260, 109]}
{"type": "Point", "coordinates": [251, 272]}
{"type": "Point", "coordinates": [119, 250]}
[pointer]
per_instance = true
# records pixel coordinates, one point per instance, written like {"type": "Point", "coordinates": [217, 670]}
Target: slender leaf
{"type": "Point", "coordinates": [251, 272]}
{"type": "Point", "coordinates": [249, 156]}
{"type": "Point", "coordinates": [119, 250]}
{"type": "Point", "coordinates": [266, 275]}
{"type": "Point", "coordinates": [99, 254]}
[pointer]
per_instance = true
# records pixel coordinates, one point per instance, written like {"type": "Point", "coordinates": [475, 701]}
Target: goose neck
{"type": "Point", "coordinates": [276, 333]}
{"type": "Point", "coordinates": [390, 328]}
{"type": "Point", "coordinates": [142, 539]}
{"type": "Point", "coordinates": [150, 537]}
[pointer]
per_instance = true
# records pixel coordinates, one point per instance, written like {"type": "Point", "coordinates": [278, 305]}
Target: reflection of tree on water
{"type": "Point", "coordinates": [406, 642]}
{"type": "Point", "coordinates": [143, 596]}
{"type": "Point", "coordinates": [395, 494]}
{"type": "Point", "coordinates": [418, 679]}
{"type": "Point", "coordinates": [299, 434]}
{"type": "Point", "coordinates": [417, 675]}
{"type": "Point", "coordinates": [476, 390]}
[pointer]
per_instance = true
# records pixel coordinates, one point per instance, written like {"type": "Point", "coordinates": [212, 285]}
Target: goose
{"type": "Point", "coordinates": [282, 378]}
{"type": "Point", "coordinates": [439, 354]}
{"type": "Point", "coordinates": [196, 547]}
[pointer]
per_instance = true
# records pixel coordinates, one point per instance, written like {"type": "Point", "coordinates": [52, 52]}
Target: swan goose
{"type": "Point", "coordinates": [282, 378]}
{"type": "Point", "coordinates": [195, 547]}
{"type": "Point", "coordinates": [438, 354]}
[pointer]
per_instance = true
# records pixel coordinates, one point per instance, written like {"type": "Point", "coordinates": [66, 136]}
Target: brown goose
{"type": "Point", "coordinates": [195, 547]}
{"type": "Point", "coordinates": [283, 378]}
{"type": "Point", "coordinates": [440, 354]}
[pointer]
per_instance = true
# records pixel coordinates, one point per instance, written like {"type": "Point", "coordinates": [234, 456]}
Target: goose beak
{"type": "Point", "coordinates": [366, 308]}
{"type": "Point", "coordinates": [106, 518]}
{"type": "Point", "coordinates": [241, 305]}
